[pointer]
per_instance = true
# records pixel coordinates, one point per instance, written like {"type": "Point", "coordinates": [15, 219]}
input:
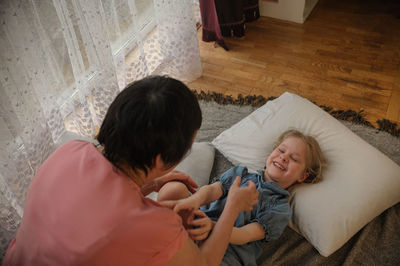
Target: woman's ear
{"type": "Point", "coordinates": [159, 163]}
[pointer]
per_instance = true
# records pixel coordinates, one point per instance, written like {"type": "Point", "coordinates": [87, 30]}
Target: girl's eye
{"type": "Point", "coordinates": [294, 159]}
{"type": "Point", "coordinates": [280, 150]}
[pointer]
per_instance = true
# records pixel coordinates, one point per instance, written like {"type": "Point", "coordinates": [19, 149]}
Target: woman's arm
{"type": "Point", "coordinates": [213, 248]}
{"type": "Point", "coordinates": [247, 233]}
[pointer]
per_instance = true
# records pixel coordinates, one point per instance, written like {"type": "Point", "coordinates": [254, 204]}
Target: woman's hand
{"type": "Point", "coordinates": [156, 184]}
{"type": "Point", "coordinates": [201, 226]}
{"type": "Point", "coordinates": [176, 176]}
{"type": "Point", "coordinates": [196, 222]}
{"type": "Point", "coordinates": [186, 208]}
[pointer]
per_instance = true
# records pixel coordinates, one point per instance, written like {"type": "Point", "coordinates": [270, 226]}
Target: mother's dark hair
{"type": "Point", "coordinates": [155, 115]}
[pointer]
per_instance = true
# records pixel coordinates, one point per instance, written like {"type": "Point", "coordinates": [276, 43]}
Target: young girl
{"type": "Point", "coordinates": [296, 158]}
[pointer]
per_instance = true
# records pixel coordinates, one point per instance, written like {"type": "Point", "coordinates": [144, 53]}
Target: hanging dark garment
{"type": "Point", "coordinates": [226, 18]}
{"type": "Point", "coordinates": [232, 15]}
{"type": "Point", "coordinates": [210, 24]}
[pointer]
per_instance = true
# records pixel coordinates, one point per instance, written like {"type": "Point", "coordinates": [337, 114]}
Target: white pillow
{"type": "Point", "coordinates": [359, 183]}
{"type": "Point", "coordinates": [198, 164]}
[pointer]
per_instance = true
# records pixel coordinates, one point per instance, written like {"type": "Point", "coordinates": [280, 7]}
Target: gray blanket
{"type": "Point", "coordinates": [378, 243]}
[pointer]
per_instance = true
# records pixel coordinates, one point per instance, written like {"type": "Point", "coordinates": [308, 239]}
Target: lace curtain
{"type": "Point", "coordinates": [63, 62]}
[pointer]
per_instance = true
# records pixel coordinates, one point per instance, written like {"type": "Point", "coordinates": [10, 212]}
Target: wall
{"type": "Point", "coordinates": [291, 10]}
{"type": "Point", "coordinates": [309, 6]}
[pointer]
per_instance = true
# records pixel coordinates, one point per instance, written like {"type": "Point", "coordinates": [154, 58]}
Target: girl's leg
{"type": "Point", "coordinates": [173, 191]}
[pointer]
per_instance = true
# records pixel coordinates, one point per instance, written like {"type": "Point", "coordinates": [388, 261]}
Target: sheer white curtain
{"type": "Point", "coordinates": [64, 61]}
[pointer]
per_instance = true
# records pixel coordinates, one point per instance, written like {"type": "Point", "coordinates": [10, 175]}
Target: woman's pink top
{"type": "Point", "coordinates": [80, 210]}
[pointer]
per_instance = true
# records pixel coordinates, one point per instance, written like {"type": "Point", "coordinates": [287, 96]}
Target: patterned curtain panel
{"type": "Point", "coordinates": [63, 62]}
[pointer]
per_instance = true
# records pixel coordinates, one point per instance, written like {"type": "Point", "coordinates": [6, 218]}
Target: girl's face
{"type": "Point", "coordinates": [287, 163]}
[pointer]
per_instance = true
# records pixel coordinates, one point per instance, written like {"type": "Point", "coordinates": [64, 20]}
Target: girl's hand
{"type": "Point", "coordinates": [201, 226]}
{"type": "Point", "coordinates": [242, 198]}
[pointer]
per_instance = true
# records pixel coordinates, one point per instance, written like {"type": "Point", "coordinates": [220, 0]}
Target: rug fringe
{"type": "Point", "coordinates": [258, 100]}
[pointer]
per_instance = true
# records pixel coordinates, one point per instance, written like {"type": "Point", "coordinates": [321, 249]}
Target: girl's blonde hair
{"type": "Point", "coordinates": [315, 161]}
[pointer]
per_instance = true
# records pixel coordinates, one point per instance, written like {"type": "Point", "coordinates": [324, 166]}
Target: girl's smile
{"type": "Point", "coordinates": [287, 163]}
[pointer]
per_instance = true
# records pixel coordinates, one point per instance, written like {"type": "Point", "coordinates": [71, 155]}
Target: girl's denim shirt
{"type": "Point", "coordinates": [272, 211]}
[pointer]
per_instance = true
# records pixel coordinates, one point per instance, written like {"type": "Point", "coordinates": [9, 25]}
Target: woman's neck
{"type": "Point", "coordinates": [137, 176]}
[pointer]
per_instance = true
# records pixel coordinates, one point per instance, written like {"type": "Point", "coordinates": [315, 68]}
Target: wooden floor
{"type": "Point", "coordinates": [346, 55]}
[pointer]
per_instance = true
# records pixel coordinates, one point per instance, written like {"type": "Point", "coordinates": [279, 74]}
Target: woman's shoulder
{"type": "Point", "coordinates": [72, 148]}
{"type": "Point", "coordinates": [75, 144]}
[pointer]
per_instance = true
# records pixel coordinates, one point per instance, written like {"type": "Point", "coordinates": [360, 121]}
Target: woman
{"type": "Point", "coordinates": [86, 204]}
